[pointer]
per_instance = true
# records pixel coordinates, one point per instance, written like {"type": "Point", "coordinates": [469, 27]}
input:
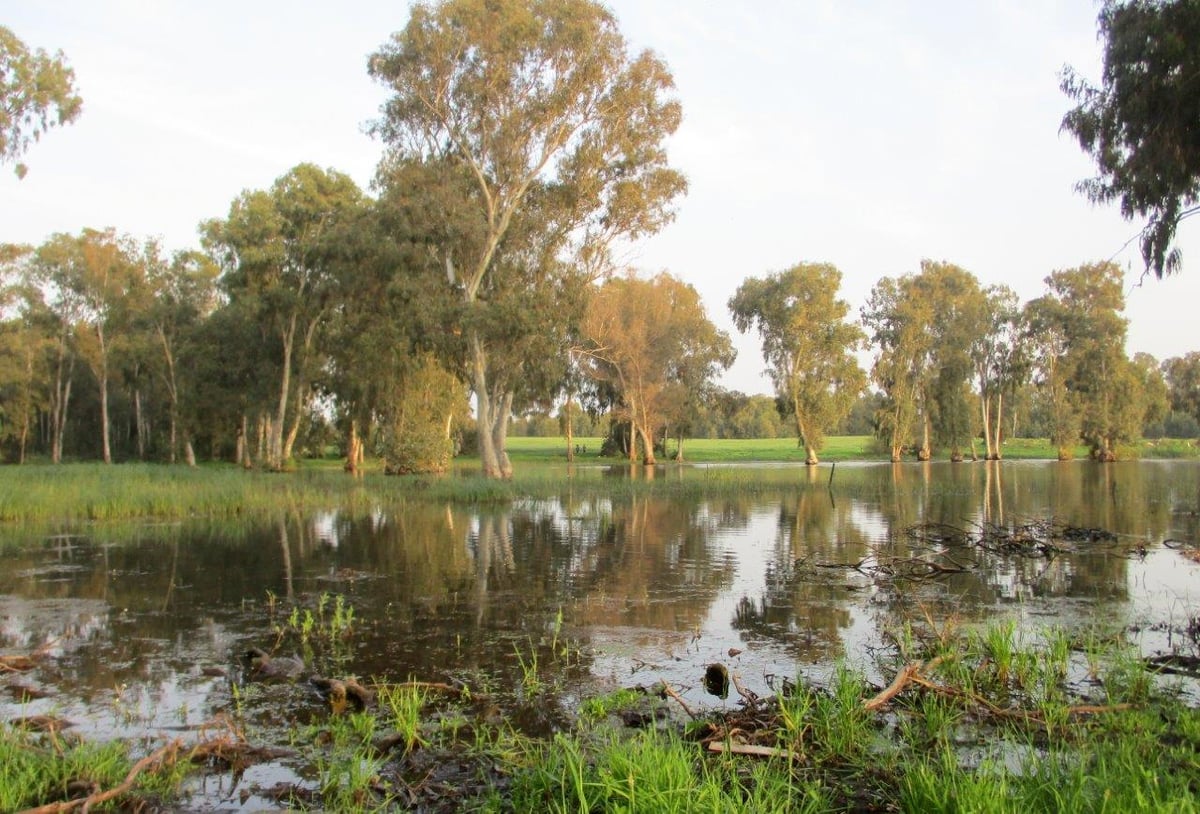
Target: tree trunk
{"type": "Point", "coordinates": [810, 452]}
{"type": "Point", "coordinates": [999, 423]}
{"type": "Point", "coordinates": [275, 438]}
{"type": "Point", "coordinates": [138, 423]}
{"type": "Point", "coordinates": [104, 432]}
{"type": "Point", "coordinates": [489, 456]}
{"type": "Point", "coordinates": [64, 371]}
{"type": "Point", "coordinates": [294, 430]}
{"type": "Point", "coordinates": [926, 451]}
{"type": "Point", "coordinates": [189, 454]}
{"type": "Point", "coordinates": [264, 436]}
{"type": "Point", "coordinates": [570, 447]}
{"type": "Point", "coordinates": [500, 433]}
{"type": "Point", "coordinates": [897, 441]}
{"type": "Point", "coordinates": [352, 444]}
{"type": "Point", "coordinates": [985, 404]}
{"type": "Point", "coordinates": [648, 458]}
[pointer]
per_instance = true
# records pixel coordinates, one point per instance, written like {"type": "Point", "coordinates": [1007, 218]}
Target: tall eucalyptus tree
{"type": "Point", "coordinates": [538, 104]}
{"type": "Point", "coordinates": [807, 343]}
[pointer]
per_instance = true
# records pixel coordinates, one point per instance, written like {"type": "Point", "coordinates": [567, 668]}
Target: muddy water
{"type": "Point", "coordinates": [143, 627]}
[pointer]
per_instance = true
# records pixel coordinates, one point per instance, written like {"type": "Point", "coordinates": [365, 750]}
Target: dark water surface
{"type": "Point", "coordinates": [143, 626]}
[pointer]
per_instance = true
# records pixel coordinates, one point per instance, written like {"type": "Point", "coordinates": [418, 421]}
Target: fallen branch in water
{"type": "Point", "coordinates": [903, 678]}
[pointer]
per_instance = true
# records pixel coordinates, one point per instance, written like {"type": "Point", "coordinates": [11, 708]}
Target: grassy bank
{"type": "Point", "coordinates": [983, 721]}
{"type": "Point", "coordinates": [837, 448]}
{"type": "Point", "coordinates": [47, 494]}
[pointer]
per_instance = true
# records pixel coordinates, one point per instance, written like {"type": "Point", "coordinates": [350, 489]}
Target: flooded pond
{"type": "Point", "coordinates": [145, 628]}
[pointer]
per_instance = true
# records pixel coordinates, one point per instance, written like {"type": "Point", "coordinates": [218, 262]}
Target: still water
{"type": "Point", "coordinates": [143, 626]}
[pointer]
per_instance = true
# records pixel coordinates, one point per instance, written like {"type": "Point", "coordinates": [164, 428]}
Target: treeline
{"type": "Point", "coordinates": [315, 317]}
{"type": "Point", "coordinates": [524, 152]}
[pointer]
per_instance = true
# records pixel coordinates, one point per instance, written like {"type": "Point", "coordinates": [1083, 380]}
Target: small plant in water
{"type": "Point", "coordinates": [404, 704]}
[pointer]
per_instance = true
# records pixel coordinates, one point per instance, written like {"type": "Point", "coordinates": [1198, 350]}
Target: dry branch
{"type": "Point", "coordinates": [669, 690]}
{"type": "Point", "coordinates": [752, 749]}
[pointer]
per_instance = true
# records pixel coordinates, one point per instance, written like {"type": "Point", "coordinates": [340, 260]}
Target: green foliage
{"type": "Point", "coordinates": [651, 341]}
{"type": "Point", "coordinates": [418, 419]}
{"type": "Point", "coordinates": [1078, 335]}
{"type": "Point", "coordinates": [1139, 125]}
{"type": "Point", "coordinates": [807, 344]}
{"type": "Point", "coordinates": [556, 135]}
{"type": "Point", "coordinates": [1183, 383]}
{"type": "Point", "coordinates": [35, 769]}
{"type": "Point", "coordinates": [37, 92]}
{"type": "Point", "coordinates": [284, 265]}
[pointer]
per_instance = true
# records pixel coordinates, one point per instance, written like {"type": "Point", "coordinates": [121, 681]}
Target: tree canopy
{"type": "Point", "coordinates": [37, 92]}
{"type": "Point", "coordinates": [560, 133]}
{"type": "Point", "coordinates": [1141, 124]}
{"type": "Point", "coordinates": [807, 344]}
{"type": "Point", "coordinates": [648, 339]}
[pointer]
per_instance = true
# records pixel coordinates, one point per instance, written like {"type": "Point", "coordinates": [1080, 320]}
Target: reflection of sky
{"type": "Point", "coordinates": [31, 624]}
{"type": "Point", "coordinates": [658, 607]}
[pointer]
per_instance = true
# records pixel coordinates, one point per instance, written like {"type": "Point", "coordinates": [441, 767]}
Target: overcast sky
{"type": "Point", "coordinates": [869, 135]}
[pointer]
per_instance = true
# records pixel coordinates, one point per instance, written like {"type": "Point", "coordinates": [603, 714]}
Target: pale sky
{"type": "Point", "coordinates": [869, 135]}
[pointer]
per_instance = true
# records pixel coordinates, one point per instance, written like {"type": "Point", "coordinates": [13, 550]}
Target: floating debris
{"type": "Point", "coordinates": [716, 680]}
{"type": "Point", "coordinates": [265, 667]}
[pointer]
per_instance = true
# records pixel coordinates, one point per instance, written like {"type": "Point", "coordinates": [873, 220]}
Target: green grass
{"type": "Point", "coordinates": [703, 450]}
{"type": "Point", "coordinates": [46, 494]}
{"type": "Point", "coordinates": [990, 728]}
{"type": "Point", "coordinates": [38, 768]}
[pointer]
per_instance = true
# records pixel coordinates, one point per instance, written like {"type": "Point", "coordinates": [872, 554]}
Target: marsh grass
{"type": "Point", "coordinates": [347, 765]}
{"type": "Point", "coordinates": [989, 728]}
{"type": "Point", "coordinates": [36, 768]}
{"type": "Point", "coordinates": [998, 736]}
{"type": "Point", "coordinates": [49, 495]}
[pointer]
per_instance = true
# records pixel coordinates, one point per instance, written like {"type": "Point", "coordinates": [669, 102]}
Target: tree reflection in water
{"type": "Point", "coordinates": [644, 587]}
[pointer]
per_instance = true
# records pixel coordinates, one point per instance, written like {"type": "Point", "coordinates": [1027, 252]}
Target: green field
{"type": "Point", "coordinates": [837, 448]}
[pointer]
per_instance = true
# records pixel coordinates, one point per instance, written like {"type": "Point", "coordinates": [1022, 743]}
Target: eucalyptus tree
{"type": "Point", "coordinates": [647, 338]}
{"type": "Point", "coordinates": [24, 348]}
{"type": "Point", "coordinates": [898, 330]}
{"type": "Point", "coordinates": [1079, 325]}
{"type": "Point", "coordinates": [93, 284]}
{"type": "Point", "coordinates": [280, 251]}
{"type": "Point", "coordinates": [955, 306]}
{"type": "Point", "coordinates": [37, 92]}
{"type": "Point", "coordinates": [997, 354]}
{"type": "Point", "coordinates": [1139, 125]}
{"type": "Point", "coordinates": [183, 292]}
{"type": "Point", "coordinates": [1183, 383]}
{"type": "Point", "coordinates": [1152, 384]}
{"type": "Point", "coordinates": [1048, 342]}
{"type": "Point", "coordinates": [808, 345]}
{"type": "Point", "coordinates": [398, 326]}
{"type": "Point", "coordinates": [538, 104]}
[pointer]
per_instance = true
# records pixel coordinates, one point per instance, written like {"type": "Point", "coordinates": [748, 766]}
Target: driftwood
{"type": "Point", "coordinates": [752, 749]}
{"type": "Point", "coordinates": [912, 674]}
{"type": "Point", "coordinates": [902, 680]}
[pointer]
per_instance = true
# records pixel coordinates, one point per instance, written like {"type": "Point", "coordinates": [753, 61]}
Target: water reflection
{"type": "Point", "coordinates": [643, 587]}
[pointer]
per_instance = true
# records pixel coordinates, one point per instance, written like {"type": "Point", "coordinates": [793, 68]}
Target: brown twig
{"type": "Point", "coordinates": [751, 698]}
{"type": "Point", "coordinates": [903, 679]}
{"type": "Point", "coordinates": [669, 690]}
